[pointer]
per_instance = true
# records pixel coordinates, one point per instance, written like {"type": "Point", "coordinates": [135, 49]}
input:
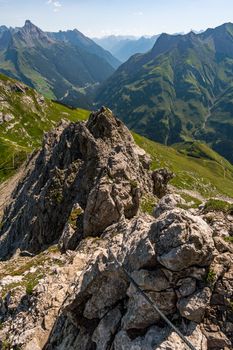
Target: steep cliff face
{"type": "Point", "coordinates": [83, 190]}
{"type": "Point", "coordinates": [86, 177]}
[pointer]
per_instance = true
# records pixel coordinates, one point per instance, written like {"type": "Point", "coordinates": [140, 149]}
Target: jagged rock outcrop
{"type": "Point", "coordinates": [182, 240]}
{"type": "Point", "coordinates": [168, 202]}
{"type": "Point", "coordinates": [88, 175]}
{"type": "Point", "coordinates": [107, 312]}
{"type": "Point", "coordinates": [161, 177]}
{"type": "Point", "coordinates": [160, 338]}
{"type": "Point", "coordinates": [84, 190]}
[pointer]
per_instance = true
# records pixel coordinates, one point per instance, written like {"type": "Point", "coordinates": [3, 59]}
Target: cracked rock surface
{"type": "Point", "coordinates": [93, 165]}
{"type": "Point", "coordinates": [83, 191]}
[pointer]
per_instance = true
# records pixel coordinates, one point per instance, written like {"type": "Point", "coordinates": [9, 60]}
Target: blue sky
{"type": "Point", "coordinates": [104, 17]}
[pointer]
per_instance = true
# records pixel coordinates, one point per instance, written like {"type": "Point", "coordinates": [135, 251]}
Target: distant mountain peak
{"type": "Point", "coordinates": [180, 89]}
{"type": "Point", "coordinates": [225, 25]}
{"type": "Point", "coordinates": [30, 34]}
{"type": "Point", "coordinates": [30, 27]}
{"type": "Point", "coordinates": [164, 43]}
{"type": "Point", "coordinates": [75, 30]}
{"type": "Point", "coordinates": [3, 28]}
{"type": "Point", "coordinates": [222, 29]}
{"type": "Point", "coordinates": [77, 39]}
{"type": "Point", "coordinates": [192, 34]}
{"type": "Point", "coordinates": [28, 23]}
{"type": "Point", "coordinates": [63, 66]}
{"type": "Point", "coordinates": [167, 42]}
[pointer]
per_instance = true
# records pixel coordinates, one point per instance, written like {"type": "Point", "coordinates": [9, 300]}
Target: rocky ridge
{"type": "Point", "coordinates": [179, 257]}
{"type": "Point", "coordinates": [24, 117]}
{"type": "Point", "coordinates": [75, 64]}
{"type": "Point", "coordinates": [86, 177]}
{"type": "Point", "coordinates": [179, 90]}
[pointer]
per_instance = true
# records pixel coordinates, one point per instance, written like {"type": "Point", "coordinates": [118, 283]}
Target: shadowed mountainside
{"type": "Point", "coordinates": [179, 91]}
{"type": "Point", "coordinates": [65, 66]}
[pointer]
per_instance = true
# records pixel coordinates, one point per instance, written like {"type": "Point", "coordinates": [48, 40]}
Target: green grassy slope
{"type": "Point", "coordinates": [28, 115]}
{"type": "Point", "coordinates": [197, 167]}
{"type": "Point", "coordinates": [57, 69]}
{"type": "Point", "coordinates": [180, 90]}
{"type": "Point", "coordinates": [24, 116]}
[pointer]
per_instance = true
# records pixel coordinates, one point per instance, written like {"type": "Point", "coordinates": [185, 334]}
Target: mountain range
{"type": "Point", "coordinates": [76, 38]}
{"type": "Point", "coordinates": [179, 91]}
{"type": "Point", "coordinates": [64, 66]}
{"type": "Point", "coordinates": [25, 115]}
{"type": "Point", "coordinates": [182, 89]}
{"type": "Point", "coordinates": [123, 47]}
{"type": "Point", "coordinates": [109, 239]}
{"type": "Point", "coordinates": [92, 193]}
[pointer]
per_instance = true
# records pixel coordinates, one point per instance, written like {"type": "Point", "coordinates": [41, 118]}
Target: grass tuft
{"type": "Point", "coordinates": [218, 205]}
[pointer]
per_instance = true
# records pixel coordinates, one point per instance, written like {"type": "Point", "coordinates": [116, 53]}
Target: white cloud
{"type": "Point", "coordinates": [56, 5]}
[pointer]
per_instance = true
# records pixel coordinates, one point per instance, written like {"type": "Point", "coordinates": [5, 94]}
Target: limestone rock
{"type": "Point", "coordinates": [168, 202]}
{"type": "Point", "coordinates": [132, 244]}
{"type": "Point", "coordinates": [105, 197]}
{"type": "Point", "coordinates": [106, 329]}
{"type": "Point", "coordinates": [194, 335]}
{"type": "Point", "coordinates": [5, 118]}
{"type": "Point", "coordinates": [193, 307]}
{"type": "Point", "coordinates": [101, 288]}
{"type": "Point", "coordinates": [150, 341]}
{"type": "Point", "coordinates": [93, 164]}
{"type": "Point", "coordinates": [66, 238]}
{"type": "Point", "coordinates": [155, 281]}
{"type": "Point", "coordinates": [222, 246]}
{"type": "Point", "coordinates": [217, 341]}
{"type": "Point", "coordinates": [161, 339]}
{"type": "Point", "coordinates": [18, 87]}
{"type": "Point", "coordinates": [161, 177]}
{"type": "Point", "coordinates": [187, 287]}
{"type": "Point", "coordinates": [182, 240]}
{"type": "Point", "coordinates": [83, 190]}
{"type": "Point", "coordinates": [140, 313]}
{"type": "Point", "coordinates": [10, 280]}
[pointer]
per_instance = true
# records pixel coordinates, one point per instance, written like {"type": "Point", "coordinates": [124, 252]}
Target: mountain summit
{"type": "Point", "coordinates": [64, 66]}
{"type": "Point", "coordinates": [28, 23]}
{"type": "Point", "coordinates": [76, 38]}
{"type": "Point", "coordinates": [31, 36]}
